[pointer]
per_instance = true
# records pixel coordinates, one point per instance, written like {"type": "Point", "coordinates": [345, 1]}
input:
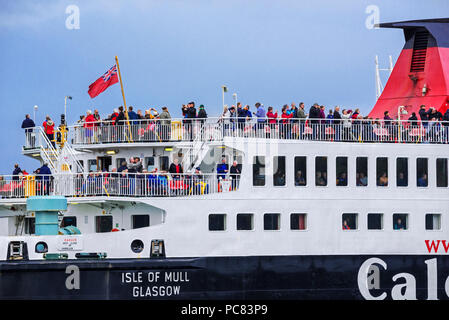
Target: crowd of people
{"type": "Point", "coordinates": [132, 179]}
{"type": "Point", "coordinates": [19, 186]}
{"type": "Point", "coordinates": [292, 122]}
{"type": "Point", "coordinates": [345, 125]}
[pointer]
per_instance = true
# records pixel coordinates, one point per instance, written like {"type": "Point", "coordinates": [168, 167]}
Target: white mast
{"type": "Point", "coordinates": [379, 86]}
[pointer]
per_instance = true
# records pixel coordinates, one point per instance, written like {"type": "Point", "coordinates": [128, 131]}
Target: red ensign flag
{"type": "Point", "coordinates": [107, 79]}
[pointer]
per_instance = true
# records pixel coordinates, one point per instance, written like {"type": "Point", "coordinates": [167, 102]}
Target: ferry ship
{"type": "Point", "coordinates": [350, 209]}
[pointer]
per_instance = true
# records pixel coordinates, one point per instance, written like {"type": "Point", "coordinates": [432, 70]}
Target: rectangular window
{"type": "Point", "coordinates": [402, 172]}
{"type": "Point", "coordinates": [217, 222]}
{"type": "Point", "coordinates": [400, 221]}
{"type": "Point", "coordinates": [68, 221]}
{"type": "Point", "coordinates": [375, 221]}
{"type": "Point", "coordinates": [119, 162]}
{"type": "Point", "coordinates": [442, 173]}
{"type": "Point", "coordinates": [163, 163]}
{"type": "Point", "coordinates": [382, 172]}
{"type": "Point", "coordinates": [140, 221]}
{"type": "Point", "coordinates": [271, 221]}
{"type": "Point", "coordinates": [433, 221]}
{"type": "Point", "coordinates": [349, 221]}
{"type": "Point", "coordinates": [103, 224]}
{"type": "Point", "coordinates": [245, 221]}
{"type": "Point", "coordinates": [321, 171]}
{"type": "Point", "coordinates": [298, 221]}
{"type": "Point", "coordinates": [259, 171]}
{"type": "Point", "coordinates": [300, 171]}
{"type": "Point", "coordinates": [342, 171]}
{"type": "Point", "coordinates": [361, 172]}
{"type": "Point", "coordinates": [149, 163]}
{"type": "Point", "coordinates": [421, 172]}
{"type": "Point", "coordinates": [92, 165]}
{"type": "Point", "coordinates": [279, 171]}
{"type": "Point", "coordinates": [30, 225]}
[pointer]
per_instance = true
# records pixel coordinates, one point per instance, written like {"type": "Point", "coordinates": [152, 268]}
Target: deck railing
{"type": "Point", "coordinates": [215, 129]}
{"type": "Point", "coordinates": [116, 184]}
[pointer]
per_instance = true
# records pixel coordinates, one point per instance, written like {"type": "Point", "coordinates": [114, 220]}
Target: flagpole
{"type": "Point", "coordinates": [124, 101]}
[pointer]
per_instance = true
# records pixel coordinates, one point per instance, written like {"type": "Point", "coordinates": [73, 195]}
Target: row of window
{"type": "Point", "coordinates": [103, 223]}
{"type": "Point", "coordinates": [298, 221]}
{"type": "Point", "coordinates": [361, 178]}
{"type": "Point", "coordinates": [105, 163]}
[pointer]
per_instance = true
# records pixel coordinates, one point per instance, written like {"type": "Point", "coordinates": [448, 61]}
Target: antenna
{"type": "Point", "coordinates": [379, 86]}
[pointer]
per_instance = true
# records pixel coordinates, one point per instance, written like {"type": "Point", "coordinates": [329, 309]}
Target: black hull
{"type": "Point", "coordinates": [216, 278]}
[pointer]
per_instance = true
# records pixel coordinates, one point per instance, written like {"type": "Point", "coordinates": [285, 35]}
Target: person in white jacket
{"type": "Point", "coordinates": [346, 118]}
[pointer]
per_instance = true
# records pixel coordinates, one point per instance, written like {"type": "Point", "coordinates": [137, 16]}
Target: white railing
{"type": "Point", "coordinates": [197, 150]}
{"type": "Point", "coordinates": [154, 130]}
{"type": "Point", "coordinates": [215, 129]}
{"type": "Point", "coordinates": [50, 152]}
{"type": "Point", "coordinates": [115, 184]}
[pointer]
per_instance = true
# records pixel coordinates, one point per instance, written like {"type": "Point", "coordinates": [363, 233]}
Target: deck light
{"type": "Point", "coordinates": [111, 152]}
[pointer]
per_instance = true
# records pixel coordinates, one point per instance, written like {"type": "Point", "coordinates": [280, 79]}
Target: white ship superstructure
{"type": "Point", "coordinates": [263, 208]}
{"type": "Point", "coordinates": [266, 210]}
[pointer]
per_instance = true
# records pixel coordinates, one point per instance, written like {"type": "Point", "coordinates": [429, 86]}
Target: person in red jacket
{"type": "Point", "coordinates": [272, 119]}
{"type": "Point", "coordinates": [49, 129]}
{"type": "Point", "coordinates": [285, 123]}
{"type": "Point", "coordinates": [114, 116]}
{"type": "Point", "coordinates": [89, 124]}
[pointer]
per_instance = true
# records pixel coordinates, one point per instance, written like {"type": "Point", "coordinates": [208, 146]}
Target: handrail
{"type": "Point", "coordinates": [118, 184]}
{"type": "Point", "coordinates": [191, 130]}
{"type": "Point", "coordinates": [49, 146]}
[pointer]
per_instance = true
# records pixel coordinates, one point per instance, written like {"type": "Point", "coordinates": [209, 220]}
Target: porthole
{"type": "Point", "coordinates": [41, 247]}
{"type": "Point", "coordinates": [137, 246]}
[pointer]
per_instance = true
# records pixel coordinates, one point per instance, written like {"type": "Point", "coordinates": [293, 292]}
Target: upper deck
{"type": "Point", "coordinates": [216, 129]}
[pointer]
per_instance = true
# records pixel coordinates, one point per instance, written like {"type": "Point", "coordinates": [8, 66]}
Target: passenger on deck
{"type": "Point", "coordinates": [423, 114]}
{"type": "Point", "coordinates": [114, 116]}
{"type": "Point", "coordinates": [413, 119]}
{"type": "Point", "coordinates": [202, 114]}
{"type": "Point", "coordinates": [190, 123]}
{"type": "Point", "coordinates": [49, 129]}
{"type": "Point", "coordinates": [261, 115]}
{"type": "Point", "coordinates": [175, 169]}
{"type": "Point", "coordinates": [123, 167]}
{"type": "Point", "coordinates": [28, 124]}
{"type": "Point", "coordinates": [243, 114]}
{"type": "Point", "coordinates": [165, 124]}
{"type": "Point", "coordinates": [132, 115]}
{"type": "Point", "coordinates": [97, 117]}
{"type": "Point", "coordinates": [16, 172]}
{"type": "Point", "coordinates": [45, 172]}
{"type": "Point", "coordinates": [347, 124]}
{"type": "Point", "coordinates": [140, 116]}
{"type": "Point", "coordinates": [285, 128]}
{"type": "Point", "coordinates": [120, 117]}
{"type": "Point", "coordinates": [222, 169]}
{"type": "Point", "coordinates": [135, 165]}
{"type": "Point", "coordinates": [272, 120]}
{"type": "Point", "coordinates": [235, 172]}
{"type": "Point", "coordinates": [89, 123]}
